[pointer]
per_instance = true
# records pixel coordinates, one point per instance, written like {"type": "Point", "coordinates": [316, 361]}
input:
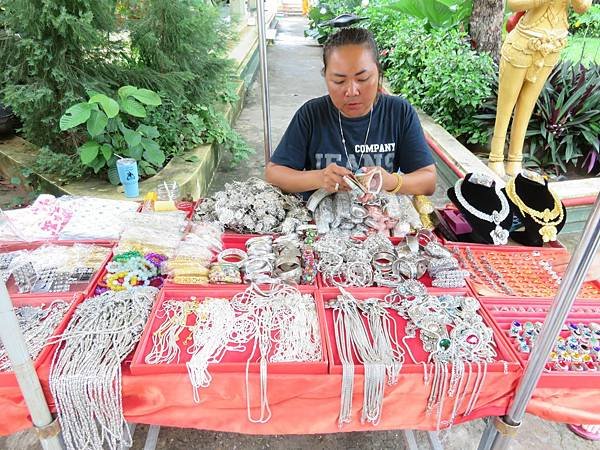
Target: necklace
{"type": "Point", "coordinates": [344, 139]}
{"type": "Point", "coordinates": [544, 218]}
{"type": "Point", "coordinates": [499, 235]}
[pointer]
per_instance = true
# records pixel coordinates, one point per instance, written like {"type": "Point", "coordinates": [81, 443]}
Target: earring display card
{"type": "Point", "coordinates": [517, 272]}
{"type": "Point", "coordinates": [232, 360]}
{"type": "Point", "coordinates": [575, 357]}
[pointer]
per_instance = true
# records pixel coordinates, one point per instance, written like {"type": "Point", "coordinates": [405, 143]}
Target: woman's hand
{"type": "Point", "coordinates": [332, 179]}
{"type": "Point", "coordinates": [389, 180]}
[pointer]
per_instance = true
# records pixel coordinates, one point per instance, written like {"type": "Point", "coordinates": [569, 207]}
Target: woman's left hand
{"type": "Point", "coordinates": [389, 180]}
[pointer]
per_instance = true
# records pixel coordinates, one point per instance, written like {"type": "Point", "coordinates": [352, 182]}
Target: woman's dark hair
{"type": "Point", "coordinates": [351, 36]}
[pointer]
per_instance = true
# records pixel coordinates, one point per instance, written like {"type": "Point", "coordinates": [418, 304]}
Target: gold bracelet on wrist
{"type": "Point", "coordinates": [399, 182]}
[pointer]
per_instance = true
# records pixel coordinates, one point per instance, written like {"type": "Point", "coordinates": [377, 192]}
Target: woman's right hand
{"type": "Point", "coordinates": [332, 180]}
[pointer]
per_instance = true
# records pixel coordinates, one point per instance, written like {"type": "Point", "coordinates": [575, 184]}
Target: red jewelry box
{"type": "Point", "coordinates": [7, 378]}
{"type": "Point", "coordinates": [85, 287]}
{"type": "Point", "coordinates": [232, 361]}
{"type": "Point", "coordinates": [580, 313]}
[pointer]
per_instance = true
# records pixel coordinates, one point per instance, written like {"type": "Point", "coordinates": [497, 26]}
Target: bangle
{"type": "Point", "coordinates": [399, 182]}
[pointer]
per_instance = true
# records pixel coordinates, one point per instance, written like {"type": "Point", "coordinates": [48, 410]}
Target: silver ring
{"type": "Point", "coordinates": [337, 186]}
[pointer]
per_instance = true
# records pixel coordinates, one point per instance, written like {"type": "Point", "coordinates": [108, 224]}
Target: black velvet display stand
{"type": "Point", "coordinates": [536, 196]}
{"type": "Point", "coordinates": [483, 199]}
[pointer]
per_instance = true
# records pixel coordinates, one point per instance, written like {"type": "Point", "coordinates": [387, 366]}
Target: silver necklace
{"type": "Point", "coordinates": [499, 235]}
{"type": "Point", "coordinates": [344, 139]}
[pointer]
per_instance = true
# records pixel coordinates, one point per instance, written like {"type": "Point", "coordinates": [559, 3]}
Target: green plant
{"type": "Point", "coordinates": [565, 123]}
{"type": "Point", "coordinates": [51, 52]}
{"type": "Point", "coordinates": [436, 13]}
{"type": "Point", "coordinates": [110, 134]}
{"type": "Point", "coordinates": [323, 12]}
{"type": "Point", "coordinates": [587, 24]}
{"type": "Point", "coordinates": [437, 71]}
{"type": "Point", "coordinates": [65, 167]}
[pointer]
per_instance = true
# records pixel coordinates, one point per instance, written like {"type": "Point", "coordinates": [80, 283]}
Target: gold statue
{"type": "Point", "coordinates": [528, 55]}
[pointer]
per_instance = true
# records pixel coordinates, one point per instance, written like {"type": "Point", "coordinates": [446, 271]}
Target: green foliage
{"type": "Point", "coordinates": [65, 167]}
{"type": "Point", "coordinates": [437, 13]}
{"type": "Point", "coordinates": [325, 11]}
{"type": "Point", "coordinates": [184, 41]}
{"type": "Point", "coordinates": [565, 123]}
{"type": "Point", "coordinates": [49, 57]}
{"type": "Point", "coordinates": [437, 71]}
{"type": "Point", "coordinates": [582, 50]}
{"type": "Point", "coordinates": [110, 130]}
{"type": "Point", "coordinates": [587, 24]}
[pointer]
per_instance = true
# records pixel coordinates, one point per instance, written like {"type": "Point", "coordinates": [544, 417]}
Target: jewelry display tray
{"type": "Point", "coordinates": [85, 287]}
{"type": "Point", "coordinates": [229, 241]}
{"type": "Point", "coordinates": [521, 270]}
{"type": "Point", "coordinates": [335, 366]}
{"type": "Point", "coordinates": [7, 378]}
{"type": "Point", "coordinates": [231, 361]}
{"type": "Point", "coordinates": [582, 312]}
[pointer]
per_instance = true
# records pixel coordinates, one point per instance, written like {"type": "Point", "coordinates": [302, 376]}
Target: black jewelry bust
{"type": "Point", "coordinates": [480, 193]}
{"type": "Point", "coordinates": [535, 195]}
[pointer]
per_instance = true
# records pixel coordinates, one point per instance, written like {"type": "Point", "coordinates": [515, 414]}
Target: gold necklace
{"type": "Point", "coordinates": [544, 218]}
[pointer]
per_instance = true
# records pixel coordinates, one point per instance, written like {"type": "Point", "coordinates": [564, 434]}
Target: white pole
{"type": "Point", "coordinates": [264, 82]}
{"type": "Point", "coordinates": [11, 337]}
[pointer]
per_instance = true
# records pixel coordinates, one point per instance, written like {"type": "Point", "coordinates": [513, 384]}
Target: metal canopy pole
{"type": "Point", "coordinates": [499, 432]}
{"type": "Point", "coordinates": [264, 82]}
{"type": "Point", "coordinates": [47, 429]}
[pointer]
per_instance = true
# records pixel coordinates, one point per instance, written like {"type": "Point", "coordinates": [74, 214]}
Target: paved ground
{"type": "Point", "coordinates": [294, 73]}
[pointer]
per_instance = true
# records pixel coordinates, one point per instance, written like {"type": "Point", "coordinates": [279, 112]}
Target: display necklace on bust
{"type": "Point", "coordinates": [548, 219]}
{"type": "Point", "coordinates": [499, 235]}
{"type": "Point", "coordinates": [348, 165]}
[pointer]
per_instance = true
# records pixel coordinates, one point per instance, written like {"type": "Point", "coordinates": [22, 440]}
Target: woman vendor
{"type": "Point", "coordinates": [353, 128]}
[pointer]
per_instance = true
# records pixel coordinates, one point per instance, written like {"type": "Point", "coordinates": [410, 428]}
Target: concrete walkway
{"type": "Point", "coordinates": [294, 71]}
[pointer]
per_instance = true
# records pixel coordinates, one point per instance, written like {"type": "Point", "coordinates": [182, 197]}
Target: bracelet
{"type": "Point", "coordinates": [399, 182]}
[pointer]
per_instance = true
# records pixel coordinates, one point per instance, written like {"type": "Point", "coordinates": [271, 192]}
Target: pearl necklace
{"type": "Point", "coordinates": [499, 235]}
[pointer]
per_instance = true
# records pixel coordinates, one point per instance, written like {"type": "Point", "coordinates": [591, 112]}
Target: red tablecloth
{"type": "Point", "coordinates": [300, 404]}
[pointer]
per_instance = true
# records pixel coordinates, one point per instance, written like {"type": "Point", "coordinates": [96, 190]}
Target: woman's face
{"type": "Point", "coordinates": [352, 79]}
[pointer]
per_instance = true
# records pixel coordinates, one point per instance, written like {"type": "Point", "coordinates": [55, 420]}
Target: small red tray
{"type": "Point", "coordinates": [83, 287]}
{"type": "Point", "coordinates": [521, 271]}
{"type": "Point", "coordinates": [7, 378]}
{"type": "Point", "coordinates": [335, 366]}
{"type": "Point", "coordinates": [232, 361]}
{"type": "Point", "coordinates": [553, 379]}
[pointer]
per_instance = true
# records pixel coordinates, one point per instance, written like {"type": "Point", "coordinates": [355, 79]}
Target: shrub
{"type": "Point", "coordinates": [587, 24]}
{"type": "Point", "coordinates": [438, 72]}
{"type": "Point", "coordinates": [565, 123]}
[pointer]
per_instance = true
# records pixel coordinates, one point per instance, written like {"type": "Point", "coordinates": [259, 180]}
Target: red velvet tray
{"type": "Point", "coordinates": [335, 367]}
{"type": "Point", "coordinates": [549, 379]}
{"type": "Point", "coordinates": [520, 268]}
{"type": "Point", "coordinates": [85, 287]}
{"type": "Point", "coordinates": [8, 377]}
{"type": "Point", "coordinates": [232, 361]}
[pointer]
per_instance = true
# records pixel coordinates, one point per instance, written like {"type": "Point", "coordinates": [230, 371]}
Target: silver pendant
{"type": "Point", "coordinates": [499, 235]}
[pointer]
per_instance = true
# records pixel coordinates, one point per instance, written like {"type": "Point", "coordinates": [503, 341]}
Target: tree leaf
{"type": "Point", "coordinates": [133, 107]}
{"type": "Point", "coordinates": [132, 138]}
{"type": "Point", "coordinates": [153, 153]}
{"type": "Point", "coordinates": [126, 91]}
{"type": "Point", "coordinates": [113, 176]}
{"type": "Point", "coordinates": [75, 115]}
{"type": "Point", "coordinates": [136, 152]}
{"type": "Point", "coordinates": [149, 132]}
{"type": "Point", "coordinates": [97, 122]}
{"type": "Point", "coordinates": [88, 152]}
{"type": "Point", "coordinates": [110, 106]}
{"type": "Point", "coordinates": [147, 97]}
{"type": "Point", "coordinates": [107, 151]}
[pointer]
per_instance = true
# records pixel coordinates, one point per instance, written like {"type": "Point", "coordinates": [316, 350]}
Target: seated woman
{"type": "Point", "coordinates": [354, 127]}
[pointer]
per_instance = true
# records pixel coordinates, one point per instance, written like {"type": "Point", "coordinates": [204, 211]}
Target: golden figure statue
{"type": "Point", "coordinates": [528, 55]}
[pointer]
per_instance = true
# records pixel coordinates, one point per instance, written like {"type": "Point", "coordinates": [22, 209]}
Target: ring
{"type": "Point", "coordinates": [337, 186]}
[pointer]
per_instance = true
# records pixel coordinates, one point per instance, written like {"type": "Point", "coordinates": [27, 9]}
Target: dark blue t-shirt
{"type": "Point", "coordinates": [395, 141]}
